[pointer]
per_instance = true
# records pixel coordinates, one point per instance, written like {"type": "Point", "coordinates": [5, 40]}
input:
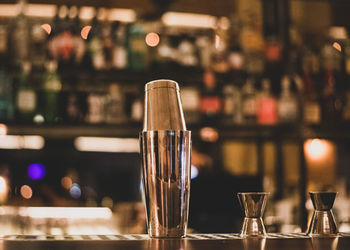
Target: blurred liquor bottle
{"type": "Point", "coordinates": [205, 47]}
{"type": "Point", "coordinates": [190, 97]}
{"type": "Point", "coordinates": [107, 40]}
{"type": "Point", "coordinates": [115, 105]}
{"type": "Point", "coordinates": [74, 103]}
{"type": "Point", "coordinates": [210, 101]}
{"type": "Point", "coordinates": [51, 93]}
{"type": "Point", "coordinates": [38, 45]}
{"type": "Point", "coordinates": [138, 51]}
{"type": "Point", "coordinates": [66, 45]}
{"type": "Point", "coordinates": [78, 42]}
{"type": "Point", "coordinates": [219, 61]}
{"type": "Point", "coordinates": [166, 53]}
{"type": "Point", "coordinates": [6, 104]}
{"type": "Point", "coordinates": [331, 103]}
{"type": "Point", "coordinates": [26, 96]}
{"type": "Point", "coordinates": [4, 46]}
{"type": "Point", "coordinates": [311, 102]}
{"type": "Point", "coordinates": [95, 43]}
{"type": "Point", "coordinates": [252, 43]}
{"type": "Point", "coordinates": [231, 104]}
{"type": "Point", "coordinates": [96, 102]}
{"type": "Point", "coordinates": [266, 105]}
{"type": "Point", "coordinates": [61, 42]}
{"type": "Point", "coordinates": [186, 52]}
{"type": "Point", "coordinates": [137, 110]}
{"type": "Point", "coordinates": [120, 52]}
{"type": "Point", "coordinates": [288, 107]}
{"type": "Point", "coordinates": [20, 36]}
{"type": "Point", "coordinates": [249, 102]}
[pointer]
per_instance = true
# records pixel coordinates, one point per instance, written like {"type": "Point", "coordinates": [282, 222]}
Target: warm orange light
{"type": "Point", "coordinates": [209, 134]}
{"type": "Point", "coordinates": [3, 129]}
{"type": "Point", "coordinates": [3, 185]}
{"type": "Point", "coordinates": [66, 182]}
{"type": "Point", "coordinates": [337, 46]}
{"type": "Point", "coordinates": [152, 39]}
{"type": "Point", "coordinates": [316, 148]}
{"type": "Point", "coordinates": [26, 192]}
{"type": "Point", "coordinates": [85, 32]}
{"type": "Point", "coordinates": [47, 28]}
{"type": "Point", "coordinates": [3, 189]}
{"type": "Point", "coordinates": [217, 41]}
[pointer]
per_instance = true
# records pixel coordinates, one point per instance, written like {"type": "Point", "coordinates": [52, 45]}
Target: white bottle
{"type": "Point", "coordinates": [287, 103]}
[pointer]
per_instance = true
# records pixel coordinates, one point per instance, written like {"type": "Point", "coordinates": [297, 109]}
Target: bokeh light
{"type": "Point", "coordinates": [66, 182]}
{"type": "Point", "coordinates": [36, 171]}
{"type": "Point", "coordinates": [38, 119]}
{"type": "Point", "coordinates": [209, 134]}
{"type": "Point", "coordinates": [3, 185]}
{"type": "Point", "coordinates": [75, 191]}
{"type": "Point", "coordinates": [194, 172]}
{"type": "Point", "coordinates": [85, 31]}
{"type": "Point", "coordinates": [26, 192]}
{"type": "Point", "coordinates": [47, 28]}
{"type": "Point", "coordinates": [337, 46]}
{"type": "Point", "coordinates": [316, 148]}
{"type": "Point", "coordinates": [152, 39]}
{"type": "Point", "coordinates": [3, 129]}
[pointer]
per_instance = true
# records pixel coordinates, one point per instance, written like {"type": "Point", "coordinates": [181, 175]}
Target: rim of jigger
{"type": "Point", "coordinates": [323, 192]}
{"type": "Point", "coordinates": [249, 193]}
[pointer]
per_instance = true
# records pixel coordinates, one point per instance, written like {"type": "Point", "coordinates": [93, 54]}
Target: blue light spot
{"type": "Point", "coordinates": [36, 171]}
{"type": "Point", "coordinates": [194, 172]}
{"type": "Point", "coordinates": [75, 191]}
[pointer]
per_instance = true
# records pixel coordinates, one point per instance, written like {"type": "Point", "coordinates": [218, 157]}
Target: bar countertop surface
{"type": "Point", "coordinates": [191, 242]}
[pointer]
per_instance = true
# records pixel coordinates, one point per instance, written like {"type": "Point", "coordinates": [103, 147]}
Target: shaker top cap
{"type": "Point", "coordinates": [162, 83]}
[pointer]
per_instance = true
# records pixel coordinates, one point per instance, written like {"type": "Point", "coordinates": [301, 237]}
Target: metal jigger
{"type": "Point", "coordinates": [253, 205]}
{"type": "Point", "coordinates": [166, 160]}
{"type": "Point", "coordinates": [322, 223]}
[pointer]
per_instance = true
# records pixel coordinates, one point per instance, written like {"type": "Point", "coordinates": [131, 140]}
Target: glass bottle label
{"type": "Point", "coordinates": [267, 111]}
{"type": "Point", "coordinates": [210, 105]}
{"type": "Point", "coordinates": [249, 107]}
{"type": "Point", "coordinates": [26, 100]}
{"type": "Point", "coordinates": [312, 112]}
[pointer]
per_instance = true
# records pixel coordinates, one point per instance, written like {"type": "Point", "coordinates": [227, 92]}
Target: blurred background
{"type": "Point", "coordinates": [265, 90]}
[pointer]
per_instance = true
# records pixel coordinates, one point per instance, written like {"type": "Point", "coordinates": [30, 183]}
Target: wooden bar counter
{"type": "Point", "coordinates": [191, 242]}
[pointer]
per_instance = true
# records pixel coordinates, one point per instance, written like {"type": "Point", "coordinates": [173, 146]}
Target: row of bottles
{"type": "Point", "coordinates": [28, 99]}
{"type": "Point", "coordinates": [95, 44]}
{"type": "Point", "coordinates": [98, 43]}
{"type": "Point", "coordinates": [25, 98]}
{"type": "Point", "coordinates": [255, 102]}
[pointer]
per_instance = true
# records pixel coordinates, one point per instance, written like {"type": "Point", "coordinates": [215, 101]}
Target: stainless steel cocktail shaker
{"type": "Point", "coordinates": [166, 160]}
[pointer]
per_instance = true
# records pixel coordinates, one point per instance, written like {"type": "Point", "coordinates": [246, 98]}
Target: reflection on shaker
{"type": "Point", "coordinates": [165, 150]}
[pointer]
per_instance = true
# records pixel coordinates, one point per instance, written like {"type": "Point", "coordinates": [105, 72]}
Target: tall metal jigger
{"type": "Point", "coordinates": [253, 204]}
{"type": "Point", "coordinates": [322, 223]}
{"type": "Point", "coordinates": [166, 160]}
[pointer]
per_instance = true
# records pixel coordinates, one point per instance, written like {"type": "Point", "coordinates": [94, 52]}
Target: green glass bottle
{"type": "Point", "coordinates": [52, 87]}
{"type": "Point", "coordinates": [26, 97]}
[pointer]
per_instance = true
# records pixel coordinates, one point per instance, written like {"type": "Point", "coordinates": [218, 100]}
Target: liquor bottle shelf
{"type": "Point", "coordinates": [225, 131]}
